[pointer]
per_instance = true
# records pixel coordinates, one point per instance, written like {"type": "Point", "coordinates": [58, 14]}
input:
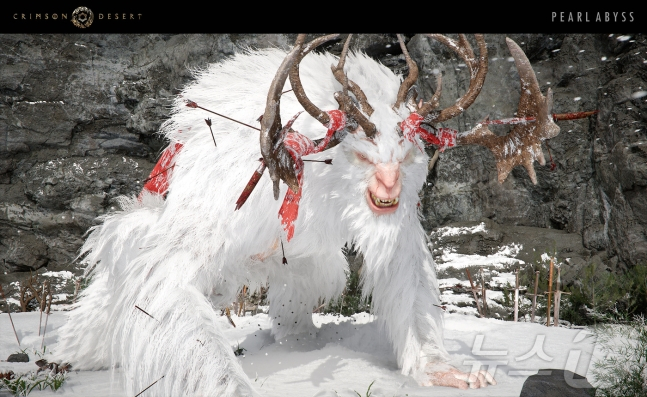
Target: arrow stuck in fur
{"type": "Point", "coordinates": [144, 311]}
{"type": "Point", "coordinates": [149, 385]}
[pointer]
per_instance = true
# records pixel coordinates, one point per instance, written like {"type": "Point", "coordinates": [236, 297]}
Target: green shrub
{"type": "Point", "coordinates": [351, 301]}
{"type": "Point", "coordinates": [623, 370]}
{"type": "Point", "coordinates": [601, 294]}
{"type": "Point", "coordinates": [22, 385]}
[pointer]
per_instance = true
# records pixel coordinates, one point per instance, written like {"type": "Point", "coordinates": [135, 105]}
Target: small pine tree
{"type": "Point", "coordinates": [623, 370]}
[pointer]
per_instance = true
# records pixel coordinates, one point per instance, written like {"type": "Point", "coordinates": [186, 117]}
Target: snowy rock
{"type": "Point", "coordinates": [556, 383]}
{"type": "Point", "coordinates": [18, 358]}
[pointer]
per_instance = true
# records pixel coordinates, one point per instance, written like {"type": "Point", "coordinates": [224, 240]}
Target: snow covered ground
{"type": "Point", "coordinates": [347, 354]}
{"type": "Point", "coordinates": [350, 353]}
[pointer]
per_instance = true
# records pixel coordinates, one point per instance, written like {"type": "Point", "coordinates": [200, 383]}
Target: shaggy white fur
{"type": "Point", "coordinates": [183, 258]}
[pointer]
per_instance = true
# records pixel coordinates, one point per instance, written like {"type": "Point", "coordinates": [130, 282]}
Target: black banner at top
{"type": "Point", "coordinates": [278, 17]}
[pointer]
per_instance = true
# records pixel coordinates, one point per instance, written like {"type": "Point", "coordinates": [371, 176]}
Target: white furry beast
{"type": "Point", "coordinates": [183, 258]}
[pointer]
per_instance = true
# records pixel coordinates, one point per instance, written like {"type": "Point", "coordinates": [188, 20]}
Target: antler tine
{"type": "Point", "coordinates": [271, 121]}
{"type": "Point", "coordinates": [295, 80]}
{"type": "Point", "coordinates": [341, 77]}
{"type": "Point", "coordinates": [346, 104]}
{"type": "Point", "coordinates": [411, 78]}
{"type": "Point", "coordinates": [478, 70]}
{"type": "Point", "coordinates": [345, 101]}
{"type": "Point", "coordinates": [435, 100]}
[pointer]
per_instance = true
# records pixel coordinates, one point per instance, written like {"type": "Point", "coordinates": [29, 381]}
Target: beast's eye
{"type": "Point", "coordinates": [362, 157]}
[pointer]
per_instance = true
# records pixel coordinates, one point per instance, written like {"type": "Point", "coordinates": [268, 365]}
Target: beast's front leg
{"type": "Point", "coordinates": [406, 302]}
{"type": "Point", "coordinates": [296, 288]}
{"type": "Point", "coordinates": [181, 342]}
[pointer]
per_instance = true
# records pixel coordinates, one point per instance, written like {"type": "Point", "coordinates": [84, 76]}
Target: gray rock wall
{"type": "Point", "coordinates": [599, 187]}
{"type": "Point", "coordinates": [78, 116]}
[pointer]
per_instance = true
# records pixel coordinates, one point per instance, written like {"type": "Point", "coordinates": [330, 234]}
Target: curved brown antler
{"type": "Point", "coordinates": [271, 123]}
{"type": "Point", "coordinates": [277, 159]}
{"type": "Point", "coordinates": [411, 77]}
{"type": "Point", "coordinates": [345, 102]}
{"type": "Point", "coordinates": [477, 68]}
{"type": "Point", "coordinates": [295, 80]}
{"type": "Point", "coordinates": [523, 144]}
{"type": "Point", "coordinates": [340, 76]}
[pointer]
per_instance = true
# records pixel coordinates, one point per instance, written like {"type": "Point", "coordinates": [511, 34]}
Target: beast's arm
{"type": "Point", "coordinates": [406, 300]}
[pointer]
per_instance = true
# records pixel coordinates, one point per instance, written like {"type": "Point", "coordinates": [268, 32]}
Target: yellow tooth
{"type": "Point", "coordinates": [384, 203]}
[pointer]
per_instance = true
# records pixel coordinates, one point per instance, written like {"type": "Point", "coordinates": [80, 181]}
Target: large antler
{"type": "Point", "coordinates": [477, 67]}
{"type": "Point", "coordinates": [276, 157]}
{"type": "Point", "coordinates": [523, 144]}
{"type": "Point", "coordinates": [346, 103]}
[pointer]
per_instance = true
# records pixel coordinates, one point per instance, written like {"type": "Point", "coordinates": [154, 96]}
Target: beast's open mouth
{"type": "Point", "coordinates": [381, 206]}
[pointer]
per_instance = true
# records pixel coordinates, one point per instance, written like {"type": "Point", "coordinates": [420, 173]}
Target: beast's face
{"type": "Point", "coordinates": [386, 161]}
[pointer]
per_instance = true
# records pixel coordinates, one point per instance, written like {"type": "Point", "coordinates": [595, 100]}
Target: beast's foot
{"type": "Point", "coordinates": [448, 376]}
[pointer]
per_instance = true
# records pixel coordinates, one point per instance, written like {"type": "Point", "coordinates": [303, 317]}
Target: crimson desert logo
{"type": "Point", "coordinates": [81, 17]}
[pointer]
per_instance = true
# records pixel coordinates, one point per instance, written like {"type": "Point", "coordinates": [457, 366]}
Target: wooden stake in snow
{"type": "Point", "coordinates": [550, 289]}
{"type": "Point", "coordinates": [558, 297]}
{"type": "Point", "coordinates": [9, 313]}
{"type": "Point", "coordinates": [49, 306]}
{"type": "Point", "coordinates": [228, 314]}
{"type": "Point", "coordinates": [241, 302]}
{"type": "Point", "coordinates": [534, 297]}
{"type": "Point", "coordinates": [482, 274]}
{"type": "Point", "coordinates": [42, 308]}
{"type": "Point", "coordinates": [478, 307]}
{"type": "Point", "coordinates": [516, 296]}
{"type": "Point", "coordinates": [77, 285]}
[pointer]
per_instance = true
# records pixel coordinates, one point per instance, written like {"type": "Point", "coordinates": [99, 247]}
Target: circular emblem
{"type": "Point", "coordinates": [82, 17]}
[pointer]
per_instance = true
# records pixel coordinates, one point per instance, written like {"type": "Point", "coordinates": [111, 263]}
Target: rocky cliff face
{"type": "Point", "coordinates": [598, 189]}
{"type": "Point", "coordinates": [78, 116]}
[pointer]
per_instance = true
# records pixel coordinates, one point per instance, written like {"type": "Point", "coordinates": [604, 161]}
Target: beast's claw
{"type": "Point", "coordinates": [448, 376]}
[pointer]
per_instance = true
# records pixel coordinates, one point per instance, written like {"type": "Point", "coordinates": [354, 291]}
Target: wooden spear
{"type": "Point", "coordinates": [478, 307]}
{"type": "Point", "coordinates": [550, 289]}
{"type": "Point", "coordinates": [9, 313]}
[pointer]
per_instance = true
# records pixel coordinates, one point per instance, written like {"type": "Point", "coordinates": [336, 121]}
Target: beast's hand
{"type": "Point", "coordinates": [448, 376]}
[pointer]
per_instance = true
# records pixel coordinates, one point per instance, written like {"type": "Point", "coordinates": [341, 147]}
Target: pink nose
{"type": "Point", "coordinates": [388, 180]}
